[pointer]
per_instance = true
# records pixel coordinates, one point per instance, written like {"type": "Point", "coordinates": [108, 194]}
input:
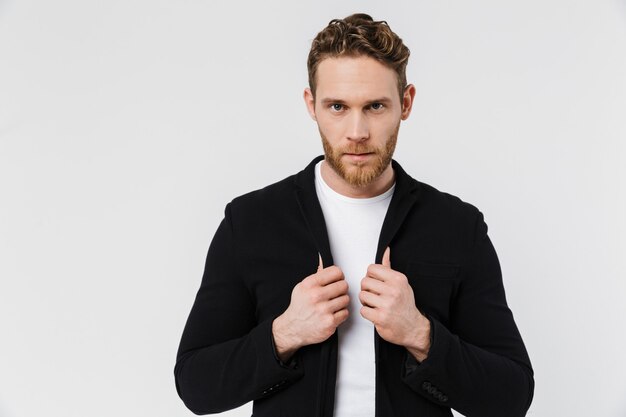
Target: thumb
{"type": "Point", "coordinates": [320, 266]}
{"type": "Point", "coordinates": [387, 257]}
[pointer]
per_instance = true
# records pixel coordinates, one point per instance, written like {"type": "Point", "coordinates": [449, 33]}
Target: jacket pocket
{"type": "Point", "coordinates": [434, 287]}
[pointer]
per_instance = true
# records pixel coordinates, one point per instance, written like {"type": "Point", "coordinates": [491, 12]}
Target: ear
{"type": "Point", "coordinates": [309, 100]}
{"type": "Point", "coordinates": [407, 101]}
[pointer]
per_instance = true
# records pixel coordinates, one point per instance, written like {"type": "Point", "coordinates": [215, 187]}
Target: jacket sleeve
{"type": "Point", "coordinates": [479, 366]}
{"type": "Point", "coordinates": [225, 358]}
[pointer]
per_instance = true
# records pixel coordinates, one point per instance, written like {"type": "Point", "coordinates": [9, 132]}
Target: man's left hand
{"type": "Point", "coordinates": [389, 303]}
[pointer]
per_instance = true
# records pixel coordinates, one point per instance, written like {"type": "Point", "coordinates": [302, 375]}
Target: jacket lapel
{"type": "Point", "coordinates": [312, 211]}
{"type": "Point", "coordinates": [404, 196]}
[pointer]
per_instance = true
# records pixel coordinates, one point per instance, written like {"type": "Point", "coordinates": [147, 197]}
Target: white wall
{"type": "Point", "coordinates": [127, 125]}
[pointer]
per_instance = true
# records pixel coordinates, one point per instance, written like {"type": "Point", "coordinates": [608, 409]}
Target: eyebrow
{"type": "Point", "coordinates": [330, 100]}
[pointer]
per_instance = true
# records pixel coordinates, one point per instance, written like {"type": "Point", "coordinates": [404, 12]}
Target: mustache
{"type": "Point", "coordinates": [359, 148]}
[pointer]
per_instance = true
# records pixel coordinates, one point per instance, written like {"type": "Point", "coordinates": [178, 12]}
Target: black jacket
{"type": "Point", "coordinates": [269, 240]}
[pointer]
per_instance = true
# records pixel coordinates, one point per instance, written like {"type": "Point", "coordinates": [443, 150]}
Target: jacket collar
{"type": "Point", "coordinates": [405, 195]}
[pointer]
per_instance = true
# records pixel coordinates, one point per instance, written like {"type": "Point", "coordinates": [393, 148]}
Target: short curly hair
{"type": "Point", "coordinates": [359, 35]}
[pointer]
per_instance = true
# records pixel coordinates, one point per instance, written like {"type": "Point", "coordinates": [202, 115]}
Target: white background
{"type": "Point", "coordinates": [127, 125]}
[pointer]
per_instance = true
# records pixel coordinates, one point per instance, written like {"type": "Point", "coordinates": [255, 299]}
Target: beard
{"type": "Point", "coordinates": [360, 173]}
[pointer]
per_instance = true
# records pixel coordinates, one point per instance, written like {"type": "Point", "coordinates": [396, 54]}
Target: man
{"type": "Point", "coordinates": [351, 289]}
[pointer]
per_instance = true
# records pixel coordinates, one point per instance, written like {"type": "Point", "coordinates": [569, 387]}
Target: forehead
{"type": "Point", "coordinates": [355, 79]}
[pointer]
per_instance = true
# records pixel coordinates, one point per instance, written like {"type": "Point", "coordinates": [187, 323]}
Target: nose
{"type": "Point", "coordinates": [358, 129]}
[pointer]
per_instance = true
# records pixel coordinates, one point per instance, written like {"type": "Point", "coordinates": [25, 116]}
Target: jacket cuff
{"type": "Point", "coordinates": [292, 363]}
{"type": "Point", "coordinates": [279, 375]}
{"type": "Point", "coordinates": [421, 376]}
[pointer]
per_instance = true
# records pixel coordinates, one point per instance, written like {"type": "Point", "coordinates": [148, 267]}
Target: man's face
{"type": "Point", "coordinates": [358, 113]}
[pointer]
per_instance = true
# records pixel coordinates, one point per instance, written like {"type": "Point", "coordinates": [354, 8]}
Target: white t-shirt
{"type": "Point", "coordinates": [353, 226]}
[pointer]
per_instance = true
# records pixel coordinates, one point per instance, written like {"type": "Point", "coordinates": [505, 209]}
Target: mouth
{"type": "Point", "coordinates": [358, 153]}
{"type": "Point", "coordinates": [359, 156]}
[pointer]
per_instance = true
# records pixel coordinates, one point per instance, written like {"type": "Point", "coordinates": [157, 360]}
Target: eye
{"type": "Point", "coordinates": [377, 106]}
{"type": "Point", "coordinates": [336, 107]}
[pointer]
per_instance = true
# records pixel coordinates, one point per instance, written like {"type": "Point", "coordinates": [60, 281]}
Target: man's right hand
{"type": "Point", "coordinates": [319, 304]}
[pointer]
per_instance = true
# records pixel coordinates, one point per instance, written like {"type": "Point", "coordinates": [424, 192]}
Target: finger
{"type": "Point", "coordinates": [369, 299]}
{"type": "Point", "coordinates": [338, 303]}
{"type": "Point", "coordinates": [373, 285]}
{"type": "Point", "coordinates": [320, 265]}
{"type": "Point", "coordinates": [387, 257]}
{"type": "Point", "coordinates": [334, 289]}
{"type": "Point", "coordinates": [368, 313]}
{"type": "Point", "coordinates": [328, 275]}
{"type": "Point", "coordinates": [340, 316]}
{"type": "Point", "coordinates": [379, 272]}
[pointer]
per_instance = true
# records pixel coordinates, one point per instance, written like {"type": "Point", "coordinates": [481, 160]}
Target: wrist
{"type": "Point", "coordinates": [419, 343]}
{"type": "Point", "coordinates": [285, 341]}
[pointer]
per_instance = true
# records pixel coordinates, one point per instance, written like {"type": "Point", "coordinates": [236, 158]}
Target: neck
{"type": "Point", "coordinates": [339, 185]}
